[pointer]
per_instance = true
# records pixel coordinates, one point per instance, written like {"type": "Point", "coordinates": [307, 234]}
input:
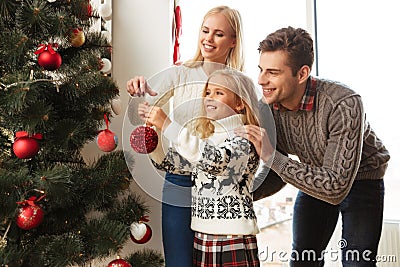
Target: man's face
{"type": "Point", "coordinates": [277, 82]}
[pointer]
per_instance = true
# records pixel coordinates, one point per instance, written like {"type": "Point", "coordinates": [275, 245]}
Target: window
{"type": "Point", "coordinates": [362, 51]}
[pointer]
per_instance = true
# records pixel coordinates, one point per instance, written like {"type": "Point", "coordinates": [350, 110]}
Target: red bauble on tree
{"type": "Point", "coordinates": [106, 140]}
{"type": "Point", "coordinates": [119, 263]}
{"type": "Point", "coordinates": [48, 58]}
{"type": "Point", "coordinates": [26, 146]}
{"type": "Point", "coordinates": [140, 231]}
{"type": "Point", "coordinates": [29, 215]}
{"type": "Point", "coordinates": [144, 139]}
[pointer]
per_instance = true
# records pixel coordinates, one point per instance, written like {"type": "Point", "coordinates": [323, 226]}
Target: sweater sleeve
{"type": "Point", "coordinates": [163, 83]}
{"type": "Point", "coordinates": [332, 181]}
{"type": "Point", "coordinates": [184, 142]}
{"type": "Point", "coordinates": [174, 163]}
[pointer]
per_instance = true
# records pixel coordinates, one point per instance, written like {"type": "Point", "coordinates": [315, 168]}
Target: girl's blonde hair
{"type": "Point", "coordinates": [235, 57]}
{"type": "Point", "coordinates": [243, 88]}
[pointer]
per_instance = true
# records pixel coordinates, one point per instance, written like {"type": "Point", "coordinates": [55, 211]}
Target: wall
{"type": "Point", "coordinates": [141, 40]}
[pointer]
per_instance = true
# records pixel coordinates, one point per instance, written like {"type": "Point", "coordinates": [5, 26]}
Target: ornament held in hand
{"type": "Point", "coordinates": [144, 139]}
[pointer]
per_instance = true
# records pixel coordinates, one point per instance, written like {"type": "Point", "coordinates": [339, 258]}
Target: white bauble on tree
{"type": "Point", "coordinates": [107, 35]}
{"type": "Point", "coordinates": [140, 232]}
{"type": "Point", "coordinates": [105, 10]}
{"type": "Point", "coordinates": [116, 106]}
{"type": "Point", "coordinates": [105, 66]}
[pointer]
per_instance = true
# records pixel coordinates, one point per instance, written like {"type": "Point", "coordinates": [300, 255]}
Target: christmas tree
{"type": "Point", "coordinates": [55, 97]}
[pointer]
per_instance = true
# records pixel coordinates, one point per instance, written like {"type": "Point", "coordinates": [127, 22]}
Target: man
{"type": "Point", "coordinates": [342, 161]}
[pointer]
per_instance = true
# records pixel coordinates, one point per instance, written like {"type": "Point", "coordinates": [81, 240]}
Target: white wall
{"type": "Point", "coordinates": [141, 40]}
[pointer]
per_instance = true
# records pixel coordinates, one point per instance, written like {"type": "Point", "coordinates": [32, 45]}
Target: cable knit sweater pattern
{"type": "Point", "coordinates": [334, 143]}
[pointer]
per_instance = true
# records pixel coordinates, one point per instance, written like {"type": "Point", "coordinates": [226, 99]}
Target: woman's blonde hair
{"type": "Point", "coordinates": [235, 57]}
{"type": "Point", "coordinates": [245, 91]}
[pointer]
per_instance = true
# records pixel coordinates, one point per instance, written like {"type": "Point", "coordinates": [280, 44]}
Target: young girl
{"type": "Point", "coordinates": [219, 45]}
{"type": "Point", "coordinates": [223, 167]}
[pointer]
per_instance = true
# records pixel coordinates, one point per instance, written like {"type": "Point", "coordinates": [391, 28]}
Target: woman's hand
{"type": "Point", "coordinates": [259, 137]}
{"type": "Point", "coordinates": [153, 116]}
{"type": "Point", "coordinates": [138, 87]}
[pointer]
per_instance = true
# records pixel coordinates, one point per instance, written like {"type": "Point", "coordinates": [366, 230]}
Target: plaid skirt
{"type": "Point", "coordinates": [225, 251]}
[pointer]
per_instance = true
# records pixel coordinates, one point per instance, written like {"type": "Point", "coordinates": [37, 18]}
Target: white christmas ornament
{"type": "Point", "coordinates": [140, 232]}
{"type": "Point", "coordinates": [105, 11]}
{"type": "Point", "coordinates": [107, 35]}
{"type": "Point", "coordinates": [51, 1]}
{"type": "Point", "coordinates": [116, 105]}
{"type": "Point", "coordinates": [106, 63]}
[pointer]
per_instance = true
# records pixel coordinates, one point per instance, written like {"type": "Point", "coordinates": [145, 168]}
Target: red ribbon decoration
{"type": "Point", "coordinates": [21, 134]}
{"type": "Point", "coordinates": [77, 30]}
{"type": "Point", "coordinates": [31, 201]}
{"type": "Point", "coordinates": [144, 219]}
{"type": "Point", "coordinates": [48, 47]}
{"type": "Point", "coordinates": [178, 33]}
{"type": "Point", "coordinates": [107, 124]}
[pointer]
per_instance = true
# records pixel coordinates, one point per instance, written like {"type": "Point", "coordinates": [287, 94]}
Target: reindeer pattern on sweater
{"type": "Point", "coordinates": [222, 180]}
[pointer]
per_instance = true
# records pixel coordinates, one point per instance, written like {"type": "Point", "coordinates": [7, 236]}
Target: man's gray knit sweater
{"type": "Point", "coordinates": [333, 141]}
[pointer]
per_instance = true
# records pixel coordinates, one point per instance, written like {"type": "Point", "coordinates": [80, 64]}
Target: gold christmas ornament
{"type": "Point", "coordinates": [3, 243]}
{"type": "Point", "coordinates": [77, 37]}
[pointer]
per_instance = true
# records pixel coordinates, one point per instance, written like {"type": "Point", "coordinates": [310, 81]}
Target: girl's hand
{"type": "Point", "coordinates": [138, 86]}
{"type": "Point", "coordinates": [142, 109]}
{"type": "Point", "coordinates": [153, 116]}
{"type": "Point", "coordinates": [259, 137]}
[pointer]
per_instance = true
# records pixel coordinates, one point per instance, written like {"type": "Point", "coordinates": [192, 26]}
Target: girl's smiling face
{"type": "Point", "coordinates": [220, 102]}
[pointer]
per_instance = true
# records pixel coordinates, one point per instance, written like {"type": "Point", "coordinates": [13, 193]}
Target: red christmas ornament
{"type": "Point", "coordinates": [26, 146]}
{"type": "Point", "coordinates": [29, 214]}
{"type": "Point", "coordinates": [48, 58]}
{"type": "Point", "coordinates": [119, 263]}
{"type": "Point", "coordinates": [107, 141]}
{"type": "Point", "coordinates": [144, 139]}
{"type": "Point", "coordinates": [140, 231]}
